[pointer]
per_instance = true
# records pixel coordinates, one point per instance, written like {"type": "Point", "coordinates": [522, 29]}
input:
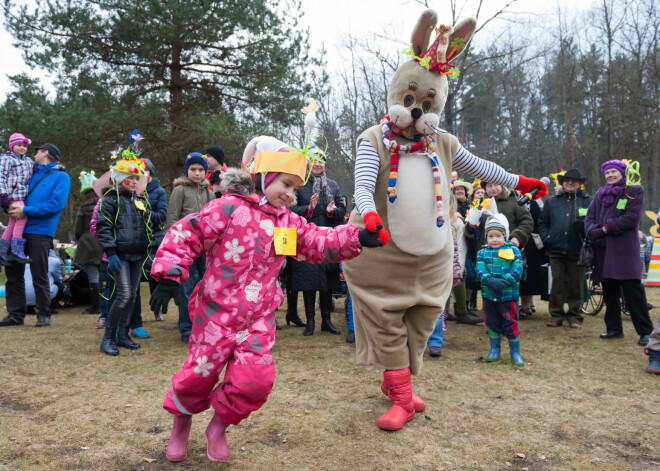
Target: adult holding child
{"type": "Point", "coordinates": [48, 192]}
{"type": "Point", "coordinates": [612, 222]}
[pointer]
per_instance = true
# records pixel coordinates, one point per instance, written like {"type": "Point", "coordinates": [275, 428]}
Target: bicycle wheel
{"type": "Point", "coordinates": [593, 305]}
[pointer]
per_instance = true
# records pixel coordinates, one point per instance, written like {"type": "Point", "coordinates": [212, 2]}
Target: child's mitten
{"type": "Point", "coordinates": [114, 264]}
{"type": "Point", "coordinates": [496, 284]}
{"type": "Point", "coordinates": [369, 238]}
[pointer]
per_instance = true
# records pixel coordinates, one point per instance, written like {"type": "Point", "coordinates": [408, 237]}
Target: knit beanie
{"type": "Point", "coordinates": [498, 222]}
{"type": "Point", "coordinates": [616, 164]}
{"type": "Point", "coordinates": [18, 138]}
{"type": "Point", "coordinates": [195, 158]}
{"type": "Point", "coordinates": [149, 167]}
{"type": "Point", "coordinates": [269, 178]}
{"type": "Point", "coordinates": [217, 152]}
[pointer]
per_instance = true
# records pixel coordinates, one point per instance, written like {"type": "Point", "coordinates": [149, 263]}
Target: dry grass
{"type": "Point", "coordinates": [580, 403]}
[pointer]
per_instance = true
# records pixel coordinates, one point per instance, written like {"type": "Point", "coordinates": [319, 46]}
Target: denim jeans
{"type": "Point", "coordinates": [197, 270]}
{"type": "Point", "coordinates": [127, 282]}
{"type": "Point", "coordinates": [438, 335]}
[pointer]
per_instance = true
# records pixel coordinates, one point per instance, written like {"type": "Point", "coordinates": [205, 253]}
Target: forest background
{"type": "Point", "coordinates": [535, 92]}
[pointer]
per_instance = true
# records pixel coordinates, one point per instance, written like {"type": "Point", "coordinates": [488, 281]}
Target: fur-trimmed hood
{"type": "Point", "coordinates": [185, 181]}
{"type": "Point", "coordinates": [235, 180]}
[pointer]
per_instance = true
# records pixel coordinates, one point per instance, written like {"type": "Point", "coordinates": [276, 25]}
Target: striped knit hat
{"type": "Point", "coordinates": [18, 138]}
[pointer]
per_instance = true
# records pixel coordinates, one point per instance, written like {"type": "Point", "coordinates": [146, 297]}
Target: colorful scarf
{"type": "Point", "coordinates": [609, 193]}
{"type": "Point", "coordinates": [321, 187]}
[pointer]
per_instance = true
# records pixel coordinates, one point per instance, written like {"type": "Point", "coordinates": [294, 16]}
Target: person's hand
{"type": "Point", "coordinates": [597, 236]}
{"type": "Point", "coordinates": [515, 241]}
{"type": "Point", "coordinates": [16, 211]}
{"type": "Point", "coordinates": [114, 264]}
{"type": "Point", "coordinates": [473, 217]}
{"type": "Point", "coordinates": [313, 201]}
{"type": "Point", "coordinates": [331, 207]}
{"type": "Point", "coordinates": [165, 290]}
{"type": "Point", "coordinates": [496, 284]}
{"type": "Point", "coordinates": [4, 201]}
{"type": "Point", "coordinates": [369, 238]}
{"type": "Point", "coordinates": [457, 282]}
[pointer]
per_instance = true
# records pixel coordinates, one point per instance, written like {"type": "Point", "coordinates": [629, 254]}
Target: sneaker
{"type": "Point", "coordinates": [159, 316]}
{"type": "Point", "coordinates": [435, 351]}
{"type": "Point", "coordinates": [140, 333]}
{"type": "Point", "coordinates": [42, 321]}
{"type": "Point", "coordinates": [350, 337]}
{"type": "Point", "coordinates": [100, 324]}
{"type": "Point", "coordinates": [7, 321]}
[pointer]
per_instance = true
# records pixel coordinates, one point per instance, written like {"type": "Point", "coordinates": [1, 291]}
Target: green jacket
{"type": "Point", "coordinates": [490, 264]}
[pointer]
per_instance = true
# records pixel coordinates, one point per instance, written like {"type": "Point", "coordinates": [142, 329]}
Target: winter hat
{"type": "Point", "coordinates": [217, 152]}
{"type": "Point", "coordinates": [18, 138]}
{"type": "Point", "coordinates": [498, 222]}
{"type": "Point", "coordinates": [195, 158]}
{"type": "Point", "coordinates": [86, 180]}
{"type": "Point", "coordinates": [149, 167]}
{"type": "Point", "coordinates": [617, 164]}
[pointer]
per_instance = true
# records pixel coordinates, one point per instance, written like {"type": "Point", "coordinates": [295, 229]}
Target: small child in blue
{"type": "Point", "coordinates": [499, 267]}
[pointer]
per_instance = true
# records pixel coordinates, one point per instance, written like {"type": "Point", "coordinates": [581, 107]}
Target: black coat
{"type": "Point", "coordinates": [120, 227]}
{"type": "Point", "coordinates": [559, 231]}
{"type": "Point", "coordinates": [88, 250]}
{"type": "Point", "coordinates": [317, 277]}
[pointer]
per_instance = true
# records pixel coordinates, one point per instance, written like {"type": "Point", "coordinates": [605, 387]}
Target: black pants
{"type": "Point", "coordinates": [36, 247]}
{"type": "Point", "coordinates": [565, 266]}
{"type": "Point", "coordinates": [635, 296]}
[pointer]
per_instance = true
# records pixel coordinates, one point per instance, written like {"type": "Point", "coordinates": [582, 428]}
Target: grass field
{"type": "Point", "coordinates": [580, 403]}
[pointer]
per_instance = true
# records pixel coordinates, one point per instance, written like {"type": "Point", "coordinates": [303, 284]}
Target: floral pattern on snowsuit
{"type": "Point", "coordinates": [232, 306]}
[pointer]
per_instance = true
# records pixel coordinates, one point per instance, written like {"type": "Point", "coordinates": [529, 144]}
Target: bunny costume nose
{"type": "Point", "coordinates": [416, 113]}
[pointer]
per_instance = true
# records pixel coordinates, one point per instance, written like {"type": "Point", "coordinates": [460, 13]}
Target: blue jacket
{"type": "Point", "coordinates": [157, 211]}
{"type": "Point", "coordinates": [45, 204]}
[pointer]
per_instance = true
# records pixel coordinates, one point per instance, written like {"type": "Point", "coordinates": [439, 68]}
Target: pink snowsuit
{"type": "Point", "coordinates": [232, 306]}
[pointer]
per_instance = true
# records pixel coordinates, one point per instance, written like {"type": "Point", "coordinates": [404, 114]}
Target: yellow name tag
{"type": "Point", "coordinates": [284, 240]}
{"type": "Point", "coordinates": [506, 254]}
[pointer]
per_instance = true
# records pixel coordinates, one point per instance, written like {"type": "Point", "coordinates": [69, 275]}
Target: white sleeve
{"type": "Point", "coordinates": [367, 164]}
{"type": "Point", "coordinates": [486, 171]}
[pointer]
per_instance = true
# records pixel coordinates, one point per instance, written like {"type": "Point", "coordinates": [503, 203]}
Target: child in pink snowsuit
{"type": "Point", "coordinates": [232, 307]}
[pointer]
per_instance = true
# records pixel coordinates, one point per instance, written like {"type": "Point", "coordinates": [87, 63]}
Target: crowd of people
{"type": "Point", "coordinates": [128, 231]}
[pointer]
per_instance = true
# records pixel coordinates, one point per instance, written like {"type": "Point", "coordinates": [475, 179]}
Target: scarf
{"type": "Point", "coordinates": [321, 187]}
{"type": "Point", "coordinates": [609, 193]}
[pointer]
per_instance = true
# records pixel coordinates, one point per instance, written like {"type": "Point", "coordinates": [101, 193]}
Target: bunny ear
{"type": "Point", "coordinates": [421, 34]}
{"type": "Point", "coordinates": [493, 206]}
{"type": "Point", "coordinates": [463, 31]}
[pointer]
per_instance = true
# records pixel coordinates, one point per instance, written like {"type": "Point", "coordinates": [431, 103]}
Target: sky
{"type": "Point", "coordinates": [330, 21]}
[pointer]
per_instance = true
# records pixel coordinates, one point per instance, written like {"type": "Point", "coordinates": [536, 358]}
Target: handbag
{"type": "Point", "coordinates": [587, 255]}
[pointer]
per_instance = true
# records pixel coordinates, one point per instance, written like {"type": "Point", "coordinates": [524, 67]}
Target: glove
{"type": "Point", "coordinates": [525, 185]}
{"type": "Point", "coordinates": [370, 238]}
{"type": "Point", "coordinates": [457, 282]}
{"type": "Point", "coordinates": [597, 236]}
{"type": "Point", "coordinates": [474, 216]}
{"type": "Point", "coordinates": [165, 290]}
{"type": "Point", "coordinates": [4, 201]}
{"type": "Point", "coordinates": [114, 264]}
{"type": "Point", "coordinates": [371, 221]}
{"type": "Point", "coordinates": [496, 284]}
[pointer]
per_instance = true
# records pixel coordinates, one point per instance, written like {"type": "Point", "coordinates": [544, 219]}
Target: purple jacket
{"type": "Point", "coordinates": [619, 259]}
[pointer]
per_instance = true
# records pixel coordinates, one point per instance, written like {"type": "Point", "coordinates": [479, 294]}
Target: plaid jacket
{"type": "Point", "coordinates": [15, 173]}
{"type": "Point", "coordinates": [489, 264]}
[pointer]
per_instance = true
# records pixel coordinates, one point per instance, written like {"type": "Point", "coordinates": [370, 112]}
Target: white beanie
{"type": "Point", "coordinates": [498, 222]}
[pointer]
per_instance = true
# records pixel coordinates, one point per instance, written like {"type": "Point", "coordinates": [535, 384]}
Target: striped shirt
{"type": "Point", "coordinates": [367, 164]}
{"type": "Point", "coordinates": [15, 173]}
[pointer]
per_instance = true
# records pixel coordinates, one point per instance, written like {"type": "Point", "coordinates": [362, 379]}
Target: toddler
{"type": "Point", "coordinates": [499, 267]}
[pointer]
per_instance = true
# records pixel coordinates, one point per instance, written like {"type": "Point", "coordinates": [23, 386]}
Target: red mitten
{"type": "Point", "coordinates": [371, 221]}
{"type": "Point", "coordinates": [525, 185]}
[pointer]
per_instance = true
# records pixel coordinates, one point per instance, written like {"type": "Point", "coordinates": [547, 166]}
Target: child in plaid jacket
{"type": "Point", "coordinates": [499, 267]}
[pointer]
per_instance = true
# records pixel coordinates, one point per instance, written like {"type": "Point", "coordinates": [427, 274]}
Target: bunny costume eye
{"type": "Point", "coordinates": [408, 99]}
{"type": "Point", "coordinates": [426, 104]}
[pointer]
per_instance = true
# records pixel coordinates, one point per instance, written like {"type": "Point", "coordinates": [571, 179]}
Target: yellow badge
{"type": "Point", "coordinates": [139, 205]}
{"type": "Point", "coordinates": [506, 254]}
{"type": "Point", "coordinates": [285, 240]}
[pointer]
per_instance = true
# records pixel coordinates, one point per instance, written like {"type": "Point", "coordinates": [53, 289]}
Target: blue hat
{"type": "Point", "coordinates": [195, 158]}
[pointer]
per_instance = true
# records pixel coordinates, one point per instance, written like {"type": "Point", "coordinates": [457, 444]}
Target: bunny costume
{"type": "Point", "coordinates": [232, 307]}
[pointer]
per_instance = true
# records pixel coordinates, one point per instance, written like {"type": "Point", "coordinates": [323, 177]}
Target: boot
{"type": "Point", "coordinates": [654, 361]}
{"type": "Point", "coordinates": [325, 299]}
{"type": "Point", "coordinates": [495, 340]}
{"type": "Point", "coordinates": [108, 345]}
{"type": "Point", "coordinates": [308, 297]}
{"type": "Point", "coordinates": [292, 316]}
{"type": "Point", "coordinates": [4, 250]}
{"type": "Point", "coordinates": [465, 318]}
{"type": "Point", "coordinates": [177, 447]}
{"type": "Point", "coordinates": [402, 411]}
{"type": "Point", "coordinates": [418, 404]}
{"type": "Point", "coordinates": [216, 440]}
{"type": "Point", "coordinates": [514, 348]}
{"type": "Point", "coordinates": [123, 340]}
{"type": "Point", "coordinates": [95, 294]}
{"type": "Point", "coordinates": [18, 252]}
{"type": "Point", "coordinates": [326, 325]}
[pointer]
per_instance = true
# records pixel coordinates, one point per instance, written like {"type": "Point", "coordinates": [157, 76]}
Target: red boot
{"type": "Point", "coordinates": [177, 447]}
{"type": "Point", "coordinates": [418, 404]}
{"type": "Point", "coordinates": [216, 440]}
{"type": "Point", "coordinates": [402, 411]}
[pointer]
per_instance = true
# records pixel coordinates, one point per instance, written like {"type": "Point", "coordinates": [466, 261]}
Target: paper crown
{"type": "Point", "coordinates": [86, 180]}
{"type": "Point", "coordinates": [286, 161]}
{"type": "Point", "coordinates": [436, 59]}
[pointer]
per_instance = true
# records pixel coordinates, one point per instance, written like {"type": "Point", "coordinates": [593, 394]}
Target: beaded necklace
{"type": "Point", "coordinates": [423, 141]}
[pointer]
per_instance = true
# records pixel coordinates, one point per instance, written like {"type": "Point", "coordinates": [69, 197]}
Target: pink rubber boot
{"type": "Point", "coordinates": [216, 440]}
{"type": "Point", "coordinates": [402, 411]}
{"type": "Point", "coordinates": [177, 447]}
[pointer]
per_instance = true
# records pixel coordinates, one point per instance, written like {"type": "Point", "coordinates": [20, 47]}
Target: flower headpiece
{"type": "Point", "coordinates": [130, 161]}
{"type": "Point", "coordinates": [86, 180]}
{"type": "Point", "coordinates": [436, 58]}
